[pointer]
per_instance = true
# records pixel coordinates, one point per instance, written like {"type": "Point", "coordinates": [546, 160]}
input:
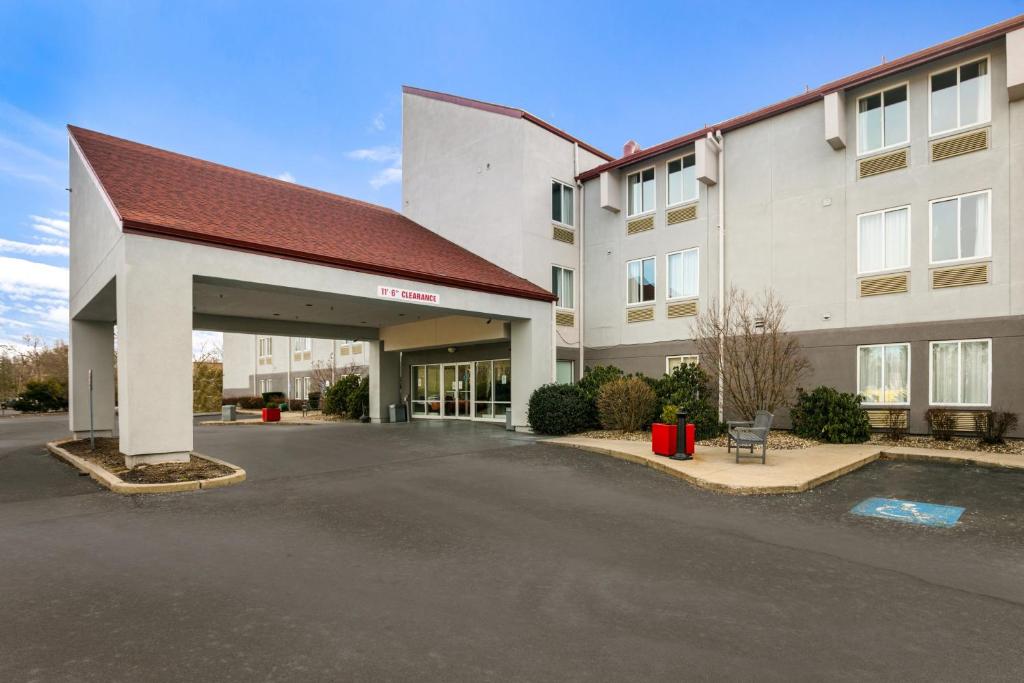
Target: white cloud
{"type": "Point", "coordinates": [378, 154]}
{"type": "Point", "coordinates": [386, 177]}
{"type": "Point", "coordinates": [58, 227]}
{"type": "Point", "coordinates": [21, 277]}
{"type": "Point", "coordinates": [286, 176]}
{"type": "Point", "coordinates": [31, 249]}
{"type": "Point", "coordinates": [378, 122]}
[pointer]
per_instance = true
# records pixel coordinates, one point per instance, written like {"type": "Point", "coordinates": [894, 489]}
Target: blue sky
{"type": "Point", "coordinates": [312, 91]}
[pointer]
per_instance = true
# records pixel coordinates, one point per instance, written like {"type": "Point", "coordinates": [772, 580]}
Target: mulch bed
{"type": "Point", "coordinates": [1010, 447]}
{"type": "Point", "coordinates": [109, 456]}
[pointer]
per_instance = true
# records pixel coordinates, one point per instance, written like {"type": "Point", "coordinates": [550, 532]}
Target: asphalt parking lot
{"type": "Point", "coordinates": [441, 551]}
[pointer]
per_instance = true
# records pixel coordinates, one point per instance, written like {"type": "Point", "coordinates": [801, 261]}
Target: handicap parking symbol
{"type": "Point", "coordinates": [913, 512]}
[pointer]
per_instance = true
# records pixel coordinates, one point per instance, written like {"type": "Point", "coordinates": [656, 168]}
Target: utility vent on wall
{"type": "Point", "coordinates": [960, 276]}
{"type": "Point", "coordinates": [563, 235]}
{"type": "Point", "coordinates": [343, 351]}
{"type": "Point", "coordinates": [565, 318]}
{"type": "Point", "coordinates": [963, 420]}
{"type": "Point", "coordinates": [879, 419]}
{"type": "Point", "coordinates": [885, 284]}
{"type": "Point", "coordinates": [682, 309]}
{"type": "Point", "coordinates": [960, 144]}
{"type": "Point", "coordinates": [639, 225]}
{"type": "Point", "coordinates": [640, 315]}
{"type": "Point", "coordinates": [683, 213]}
{"type": "Point", "coordinates": [883, 163]}
{"type": "Point", "coordinates": [357, 349]}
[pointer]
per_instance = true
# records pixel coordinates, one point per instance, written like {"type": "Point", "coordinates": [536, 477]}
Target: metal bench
{"type": "Point", "coordinates": [747, 434]}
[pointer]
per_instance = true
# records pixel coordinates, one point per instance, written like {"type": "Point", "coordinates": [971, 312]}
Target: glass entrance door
{"type": "Point", "coordinates": [464, 379]}
{"type": "Point", "coordinates": [450, 390]}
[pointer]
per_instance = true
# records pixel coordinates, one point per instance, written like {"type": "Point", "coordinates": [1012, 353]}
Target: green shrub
{"type": "Point", "coordinates": [245, 402]}
{"type": "Point", "coordinates": [335, 397]}
{"type": "Point", "coordinates": [627, 403]}
{"type": "Point", "coordinates": [830, 415]}
{"type": "Point", "coordinates": [357, 403]}
{"type": "Point", "coordinates": [992, 425]}
{"type": "Point", "coordinates": [558, 409]}
{"type": "Point", "coordinates": [686, 387]}
{"type": "Point", "coordinates": [314, 400]}
{"type": "Point", "coordinates": [41, 396]}
{"type": "Point", "coordinates": [591, 382]}
{"type": "Point", "coordinates": [669, 414]}
{"type": "Point", "coordinates": [273, 398]}
{"type": "Point", "coordinates": [942, 423]}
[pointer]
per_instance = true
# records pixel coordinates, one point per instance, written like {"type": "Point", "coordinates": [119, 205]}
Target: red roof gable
{"type": "Point", "coordinates": [161, 193]}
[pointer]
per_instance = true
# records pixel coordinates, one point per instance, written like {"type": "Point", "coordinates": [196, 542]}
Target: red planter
{"type": "Point", "coordinates": [664, 438]}
{"type": "Point", "coordinates": [271, 414]}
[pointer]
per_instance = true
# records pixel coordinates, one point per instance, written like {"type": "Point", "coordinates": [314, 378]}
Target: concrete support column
{"type": "Point", "coordinates": [154, 362]}
{"type": "Point", "coordinates": [533, 361]}
{"type": "Point", "coordinates": [385, 379]}
{"type": "Point", "coordinates": [92, 348]}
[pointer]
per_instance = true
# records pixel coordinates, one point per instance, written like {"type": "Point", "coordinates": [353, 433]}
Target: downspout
{"type": "Point", "coordinates": [288, 390]}
{"type": "Point", "coordinates": [255, 365]}
{"type": "Point", "coordinates": [719, 142]}
{"type": "Point", "coordinates": [579, 233]}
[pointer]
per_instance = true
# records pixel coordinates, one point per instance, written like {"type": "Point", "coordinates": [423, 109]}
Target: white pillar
{"type": "Point", "coordinates": [533, 361]}
{"type": "Point", "coordinates": [154, 363]}
{"type": "Point", "coordinates": [385, 379]}
{"type": "Point", "coordinates": [92, 348]}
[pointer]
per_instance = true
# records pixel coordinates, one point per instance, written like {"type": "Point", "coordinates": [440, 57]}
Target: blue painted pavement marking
{"type": "Point", "coordinates": [909, 511]}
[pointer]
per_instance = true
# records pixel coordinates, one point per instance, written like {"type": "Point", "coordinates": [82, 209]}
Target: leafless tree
{"type": "Point", "coordinates": [747, 347]}
{"type": "Point", "coordinates": [323, 372]}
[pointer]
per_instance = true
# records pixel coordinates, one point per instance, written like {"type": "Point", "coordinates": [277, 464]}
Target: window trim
{"type": "Point", "coordinates": [572, 369]}
{"type": "Point", "coordinates": [695, 356]}
{"type": "Point", "coordinates": [931, 229]}
{"type": "Point", "coordinates": [910, 228]}
{"type": "Point", "coordinates": [910, 383]}
{"type": "Point", "coordinates": [959, 367]}
{"type": "Point", "coordinates": [573, 271]}
{"type": "Point", "coordinates": [573, 188]}
{"type": "Point", "coordinates": [695, 182]}
{"type": "Point", "coordinates": [690, 297]}
{"type": "Point", "coordinates": [654, 207]}
{"type": "Point", "coordinates": [647, 302]}
{"type": "Point", "coordinates": [960, 127]}
{"type": "Point", "coordinates": [881, 91]}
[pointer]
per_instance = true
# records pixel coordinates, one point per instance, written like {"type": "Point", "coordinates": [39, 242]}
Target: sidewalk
{"type": "Point", "coordinates": [786, 471]}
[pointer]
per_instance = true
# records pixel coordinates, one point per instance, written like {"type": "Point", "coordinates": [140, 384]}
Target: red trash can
{"type": "Point", "coordinates": [664, 438]}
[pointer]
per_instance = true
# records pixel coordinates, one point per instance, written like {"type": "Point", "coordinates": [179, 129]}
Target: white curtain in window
{"type": "Point", "coordinates": [869, 384]}
{"type": "Point", "coordinates": [944, 101]}
{"type": "Point", "coordinates": [897, 375]}
{"type": "Point", "coordinates": [648, 189]}
{"type": "Point", "coordinates": [869, 123]}
{"type": "Point", "coordinates": [974, 226]}
{"type": "Point", "coordinates": [974, 93]}
{"type": "Point", "coordinates": [634, 193]}
{"type": "Point", "coordinates": [897, 228]}
{"type": "Point", "coordinates": [945, 372]}
{"type": "Point", "coordinates": [633, 281]}
{"type": "Point", "coordinates": [691, 269]}
{"type": "Point", "coordinates": [690, 190]}
{"type": "Point", "coordinates": [567, 205]}
{"type": "Point", "coordinates": [975, 359]}
{"type": "Point", "coordinates": [944, 230]}
{"type": "Point", "coordinates": [872, 243]}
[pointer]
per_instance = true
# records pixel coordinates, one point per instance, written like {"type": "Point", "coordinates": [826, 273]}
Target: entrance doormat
{"type": "Point", "coordinates": [910, 511]}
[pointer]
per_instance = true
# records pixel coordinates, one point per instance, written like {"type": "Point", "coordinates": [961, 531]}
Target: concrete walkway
{"type": "Point", "coordinates": [786, 471]}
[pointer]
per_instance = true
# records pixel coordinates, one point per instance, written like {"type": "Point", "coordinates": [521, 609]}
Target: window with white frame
{"type": "Point", "coordinates": [883, 120]}
{"type": "Point", "coordinates": [640, 281]}
{"type": "Point", "coordinates": [961, 227]}
{"type": "Point", "coordinates": [683, 273]}
{"type": "Point", "coordinates": [640, 190]}
{"type": "Point", "coordinates": [961, 372]}
{"type": "Point", "coordinates": [673, 362]}
{"type": "Point", "coordinates": [960, 97]}
{"type": "Point", "coordinates": [883, 374]}
{"type": "Point", "coordinates": [883, 240]}
{"type": "Point", "coordinates": [300, 344]}
{"type": "Point", "coordinates": [565, 371]}
{"type": "Point", "coordinates": [561, 203]}
{"type": "Point", "coordinates": [266, 385]}
{"type": "Point", "coordinates": [265, 346]}
{"type": "Point", "coordinates": [682, 180]}
{"type": "Point", "coordinates": [301, 388]}
{"type": "Point", "coordinates": [562, 286]}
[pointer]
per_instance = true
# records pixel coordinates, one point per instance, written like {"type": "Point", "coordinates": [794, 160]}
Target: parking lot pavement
{"type": "Point", "coordinates": [458, 552]}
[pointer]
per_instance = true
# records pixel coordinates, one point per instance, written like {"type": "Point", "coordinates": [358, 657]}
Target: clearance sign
{"type": "Point", "coordinates": [412, 296]}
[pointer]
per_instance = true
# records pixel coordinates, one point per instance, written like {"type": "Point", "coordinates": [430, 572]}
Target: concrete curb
{"type": "Point", "coordinates": [117, 485]}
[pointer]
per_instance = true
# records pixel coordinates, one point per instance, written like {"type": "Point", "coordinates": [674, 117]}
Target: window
{"type": "Point", "coordinates": [265, 346]}
{"type": "Point", "coordinates": [682, 180]}
{"type": "Point", "coordinates": [883, 120]}
{"type": "Point", "coordinates": [561, 286]}
{"type": "Point", "coordinates": [300, 344]}
{"type": "Point", "coordinates": [883, 240]}
{"type": "Point", "coordinates": [640, 281]}
{"type": "Point", "coordinates": [883, 374]}
{"type": "Point", "coordinates": [961, 227]}
{"type": "Point", "coordinates": [641, 192]}
{"type": "Point", "coordinates": [266, 385]}
{"type": "Point", "coordinates": [683, 271]}
{"type": "Point", "coordinates": [302, 388]}
{"type": "Point", "coordinates": [565, 371]}
{"type": "Point", "coordinates": [960, 97]}
{"type": "Point", "coordinates": [673, 362]}
{"type": "Point", "coordinates": [561, 203]}
{"type": "Point", "coordinates": [961, 372]}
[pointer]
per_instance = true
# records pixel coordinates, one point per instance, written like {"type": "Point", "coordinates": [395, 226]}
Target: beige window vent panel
{"type": "Point", "coordinates": [960, 276]}
{"type": "Point", "coordinates": [956, 145]}
{"type": "Point", "coordinates": [884, 284]}
{"type": "Point", "coordinates": [301, 355]}
{"type": "Point", "coordinates": [963, 420]}
{"type": "Point", "coordinates": [563, 234]}
{"type": "Point", "coordinates": [640, 225]}
{"type": "Point", "coordinates": [265, 361]}
{"type": "Point", "coordinates": [681, 309]}
{"type": "Point", "coordinates": [640, 315]}
{"type": "Point", "coordinates": [883, 163]}
{"type": "Point", "coordinates": [879, 418]}
{"type": "Point", "coordinates": [682, 214]}
{"type": "Point", "coordinates": [357, 348]}
{"type": "Point", "coordinates": [565, 318]}
{"type": "Point", "coordinates": [344, 351]}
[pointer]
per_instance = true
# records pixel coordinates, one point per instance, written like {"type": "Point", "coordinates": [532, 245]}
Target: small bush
{"type": "Point", "coordinates": [41, 396]}
{"type": "Point", "coordinates": [628, 403]}
{"type": "Point", "coordinates": [335, 397]}
{"type": "Point", "coordinates": [942, 423]}
{"type": "Point", "coordinates": [896, 423]}
{"type": "Point", "coordinates": [668, 414]}
{"type": "Point", "coordinates": [686, 387]}
{"type": "Point", "coordinates": [558, 409]}
{"type": "Point", "coordinates": [830, 415]}
{"type": "Point", "coordinates": [591, 382]}
{"type": "Point", "coordinates": [273, 398]}
{"type": "Point", "coordinates": [992, 425]}
{"type": "Point", "coordinates": [314, 400]}
{"type": "Point", "coordinates": [296, 404]}
{"type": "Point", "coordinates": [357, 403]}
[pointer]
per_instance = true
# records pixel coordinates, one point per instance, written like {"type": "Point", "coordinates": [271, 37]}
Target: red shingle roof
{"type": "Point", "coordinates": [910, 61]}
{"type": "Point", "coordinates": [161, 193]}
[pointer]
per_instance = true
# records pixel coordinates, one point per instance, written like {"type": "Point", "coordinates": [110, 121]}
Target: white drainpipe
{"type": "Point", "coordinates": [580, 192]}
{"type": "Point", "coordinates": [719, 142]}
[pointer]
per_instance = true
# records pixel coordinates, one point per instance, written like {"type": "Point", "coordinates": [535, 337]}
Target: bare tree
{"type": "Point", "coordinates": [756, 361]}
{"type": "Point", "coordinates": [323, 372]}
{"type": "Point", "coordinates": [207, 379]}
